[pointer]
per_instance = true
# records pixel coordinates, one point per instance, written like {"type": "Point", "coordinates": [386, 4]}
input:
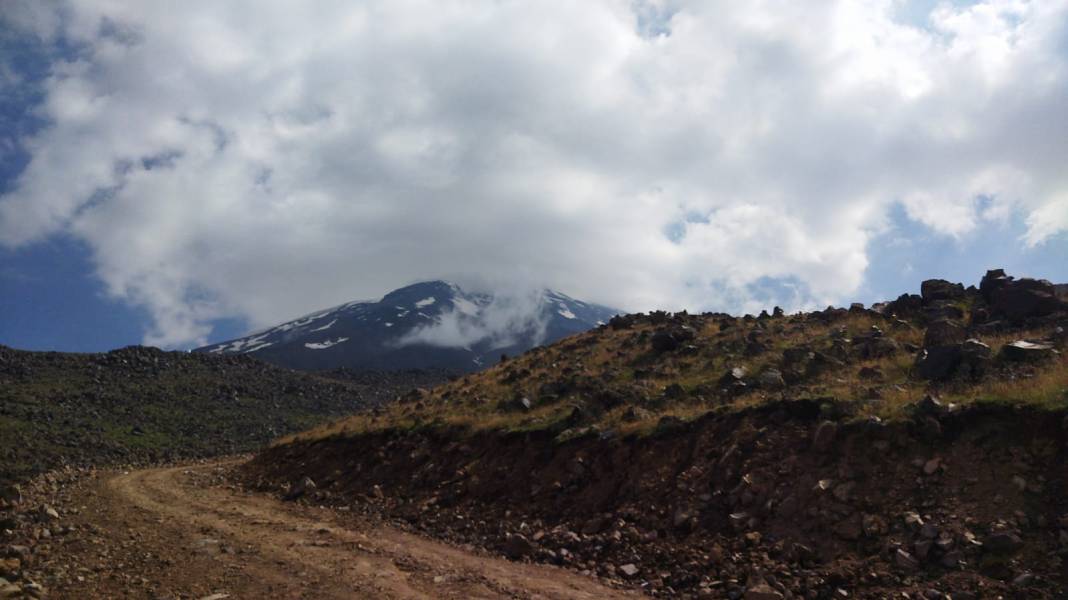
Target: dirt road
{"type": "Point", "coordinates": [183, 533]}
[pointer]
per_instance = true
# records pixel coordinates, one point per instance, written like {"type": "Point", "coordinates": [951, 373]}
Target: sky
{"type": "Point", "coordinates": [175, 174]}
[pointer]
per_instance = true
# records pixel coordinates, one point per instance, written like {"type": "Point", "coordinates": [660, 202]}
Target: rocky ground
{"type": "Point", "coordinates": [186, 532]}
{"type": "Point", "coordinates": [913, 449]}
{"type": "Point", "coordinates": [784, 500]}
{"type": "Point", "coordinates": [142, 404]}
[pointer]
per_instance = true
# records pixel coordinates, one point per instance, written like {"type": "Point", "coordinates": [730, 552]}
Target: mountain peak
{"type": "Point", "coordinates": [427, 324]}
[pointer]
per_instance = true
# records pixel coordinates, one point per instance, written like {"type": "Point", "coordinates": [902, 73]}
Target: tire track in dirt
{"type": "Point", "coordinates": [288, 550]}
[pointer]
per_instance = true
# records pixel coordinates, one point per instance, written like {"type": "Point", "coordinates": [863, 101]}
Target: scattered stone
{"type": "Point", "coordinates": [762, 591]}
{"type": "Point", "coordinates": [771, 379]}
{"type": "Point", "coordinates": [1003, 542]}
{"type": "Point", "coordinates": [930, 406]}
{"type": "Point", "coordinates": [905, 560]}
{"type": "Point", "coordinates": [931, 466]}
{"type": "Point", "coordinates": [824, 436]}
{"type": "Point", "coordinates": [913, 521]}
{"type": "Point", "coordinates": [629, 570]}
{"type": "Point", "coordinates": [517, 546]}
{"type": "Point", "coordinates": [305, 486]}
{"type": "Point", "coordinates": [870, 373]}
{"type": "Point", "coordinates": [1023, 579]}
{"type": "Point", "coordinates": [663, 341]}
{"type": "Point", "coordinates": [48, 514]}
{"type": "Point", "coordinates": [1025, 351]}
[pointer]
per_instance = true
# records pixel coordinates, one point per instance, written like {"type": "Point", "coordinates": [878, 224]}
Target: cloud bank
{"type": "Point", "coordinates": [504, 320]}
{"type": "Point", "coordinates": [261, 159]}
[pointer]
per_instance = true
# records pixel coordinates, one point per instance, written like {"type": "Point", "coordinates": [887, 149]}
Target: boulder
{"type": "Point", "coordinates": [904, 305]}
{"type": "Point", "coordinates": [733, 380]}
{"type": "Point", "coordinates": [906, 561]}
{"type": "Point", "coordinates": [994, 280]}
{"type": "Point", "coordinates": [931, 406]}
{"type": "Point", "coordinates": [877, 346]}
{"type": "Point", "coordinates": [667, 340]}
{"type": "Point", "coordinates": [938, 362]}
{"type": "Point", "coordinates": [1002, 542]}
{"type": "Point", "coordinates": [771, 379]}
{"type": "Point", "coordinates": [305, 486]}
{"type": "Point", "coordinates": [944, 333]}
{"type": "Point", "coordinates": [974, 357]}
{"type": "Point", "coordinates": [516, 546]}
{"type": "Point", "coordinates": [940, 289]}
{"type": "Point", "coordinates": [1025, 351]}
{"type": "Point", "coordinates": [663, 341]}
{"type": "Point", "coordinates": [798, 355]}
{"type": "Point", "coordinates": [1026, 298]}
{"type": "Point", "coordinates": [48, 514]}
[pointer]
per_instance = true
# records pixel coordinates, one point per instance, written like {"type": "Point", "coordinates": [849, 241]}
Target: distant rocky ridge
{"type": "Point", "coordinates": [429, 325]}
{"type": "Point", "coordinates": [141, 404]}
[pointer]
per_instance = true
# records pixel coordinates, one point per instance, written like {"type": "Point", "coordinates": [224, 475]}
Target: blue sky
{"type": "Point", "coordinates": [179, 177]}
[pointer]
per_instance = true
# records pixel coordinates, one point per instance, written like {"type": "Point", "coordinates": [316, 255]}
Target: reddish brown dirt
{"type": "Point", "coordinates": [183, 532]}
{"type": "Point", "coordinates": [715, 507]}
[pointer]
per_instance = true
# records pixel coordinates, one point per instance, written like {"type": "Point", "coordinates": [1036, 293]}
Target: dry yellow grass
{"type": "Point", "coordinates": [622, 360]}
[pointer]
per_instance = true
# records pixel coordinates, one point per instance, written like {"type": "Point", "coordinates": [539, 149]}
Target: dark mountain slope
{"type": "Point", "coordinates": [142, 404]}
{"type": "Point", "coordinates": [429, 325]}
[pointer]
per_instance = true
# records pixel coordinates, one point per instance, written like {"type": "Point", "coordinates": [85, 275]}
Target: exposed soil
{"type": "Point", "coordinates": [781, 497]}
{"type": "Point", "coordinates": [185, 532]}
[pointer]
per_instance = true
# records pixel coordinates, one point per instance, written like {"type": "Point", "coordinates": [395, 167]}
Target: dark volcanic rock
{"type": "Point", "coordinates": [1025, 298]}
{"type": "Point", "coordinates": [944, 333]}
{"type": "Point", "coordinates": [994, 280]}
{"type": "Point", "coordinates": [938, 363]}
{"type": "Point", "coordinates": [939, 289]}
{"type": "Point", "coordinates": [1025, 351]}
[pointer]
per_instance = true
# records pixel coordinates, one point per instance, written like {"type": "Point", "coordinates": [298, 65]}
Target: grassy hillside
{"type": "Point", "coordinates": [626, 377]}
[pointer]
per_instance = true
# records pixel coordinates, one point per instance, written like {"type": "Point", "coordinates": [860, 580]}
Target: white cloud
{"type": "Point", "coordinates": [511, 316]}
{"type": "Point", "coordinates": [261, 159]}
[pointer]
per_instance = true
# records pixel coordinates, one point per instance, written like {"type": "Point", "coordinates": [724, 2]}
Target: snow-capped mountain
{"type": "Point", "coordinates": [433, 324]}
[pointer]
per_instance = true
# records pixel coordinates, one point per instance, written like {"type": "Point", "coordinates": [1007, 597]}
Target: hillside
{"type": "Point", "coordinates": [140, 404]}
{"type": "Point", "coordinates": [428, 325]}
{"type": "Point", "coordinates": [917, 446]}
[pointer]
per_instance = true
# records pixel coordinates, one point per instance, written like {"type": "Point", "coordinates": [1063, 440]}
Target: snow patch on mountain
{"type": "Point", "coordinates": [326, 344]}
{"type": "Point", "coordinates": [432, 324]}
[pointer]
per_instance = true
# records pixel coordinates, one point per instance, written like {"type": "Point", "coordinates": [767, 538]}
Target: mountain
{"type": "Point", "coordinates": [433, 324]}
